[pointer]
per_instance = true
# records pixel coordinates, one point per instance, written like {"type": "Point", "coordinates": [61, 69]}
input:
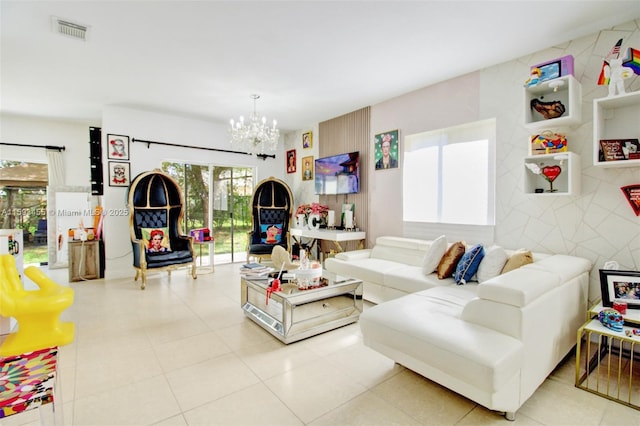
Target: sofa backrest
{"type": "Point", "coordinates": [405, 250]}
{"type": "Point", "coordinates": [520, 290]}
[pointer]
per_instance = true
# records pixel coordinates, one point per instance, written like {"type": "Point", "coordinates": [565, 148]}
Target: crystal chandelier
{"type": "Point", "coordinates": [254, 136]}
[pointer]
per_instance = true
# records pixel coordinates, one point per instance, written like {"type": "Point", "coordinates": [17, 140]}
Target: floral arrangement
{"type": "Point", "coordinates": [313, 208]}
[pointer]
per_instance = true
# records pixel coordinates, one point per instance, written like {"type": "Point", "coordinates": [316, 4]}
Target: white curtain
{"type": "Point", "coordinates": [56, 167]}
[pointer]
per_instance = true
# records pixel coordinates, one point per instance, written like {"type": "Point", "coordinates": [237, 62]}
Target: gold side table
{"type": "Point", "coordinates": [212, 247]}
{"type": "Point", "coordinates": [608, 361]}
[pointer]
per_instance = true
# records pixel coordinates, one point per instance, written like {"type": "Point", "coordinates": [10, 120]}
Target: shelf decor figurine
{"type": "Point", "coordinates": [549, 173]}
{"type": "Point", "coordinates": [548, 110]}
{"type": "Point", "coordinates": [616, 69]}
{"type": "Point", "coordinates": [548, 142]}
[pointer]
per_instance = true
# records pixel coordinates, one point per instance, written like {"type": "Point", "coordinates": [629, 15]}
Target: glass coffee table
{"type": "Point", "coordinates": [292, 314]}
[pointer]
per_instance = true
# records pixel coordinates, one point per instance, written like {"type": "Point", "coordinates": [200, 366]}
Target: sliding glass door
{"type": "Point", "coordinates": [232, 189]}
{"type": "Point", "coordinates": [216, 197]}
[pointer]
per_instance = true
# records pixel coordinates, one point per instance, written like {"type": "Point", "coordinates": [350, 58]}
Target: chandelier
{"type": "Point", "coordinates": [254, 136]}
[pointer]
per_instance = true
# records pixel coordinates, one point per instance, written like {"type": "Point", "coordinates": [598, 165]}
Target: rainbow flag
{"type": "Point", "coordinates": [632, 60]}
{"type": "Point", "coordinates": [602, 80]}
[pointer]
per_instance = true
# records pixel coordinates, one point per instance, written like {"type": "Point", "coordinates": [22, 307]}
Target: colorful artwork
{"type": "Point", "coordinates": [26, 381]}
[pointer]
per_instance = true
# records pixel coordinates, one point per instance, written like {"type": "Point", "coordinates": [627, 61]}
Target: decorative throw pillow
{"type": "Point", "coordinates": [491, 266]}
{"type": "Point", "coordinates": [519, 258]}
{"type": "Point", "coordinates": [450, 260]}
{"type": "Point", "coordinates": [434, 254]}
{"type": "Point", "coordinates": [468, 264]}
{"type": "Point", "coordinates": [156, 240]}
{"type": "Point", "coordinates": [273, 234]}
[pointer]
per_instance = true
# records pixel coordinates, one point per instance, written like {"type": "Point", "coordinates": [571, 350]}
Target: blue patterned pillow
{"type": "Point", "coordinates": [468, 265]}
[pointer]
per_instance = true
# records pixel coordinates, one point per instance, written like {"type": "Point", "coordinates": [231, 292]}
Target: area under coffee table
{"type": "Point", "coordinates": [292, 314]}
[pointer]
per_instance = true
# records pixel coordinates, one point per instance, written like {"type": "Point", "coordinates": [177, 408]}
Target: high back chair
{"type": "Point", "coordinates": [271, 211]}
{"type": "Point", "coordinates": [155, 221]}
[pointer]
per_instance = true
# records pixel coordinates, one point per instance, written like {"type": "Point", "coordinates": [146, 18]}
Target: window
{"type": "Point", "coordinates": [449, 175]}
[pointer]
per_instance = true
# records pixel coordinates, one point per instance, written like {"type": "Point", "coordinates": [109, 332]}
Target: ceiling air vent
{"type": "Point", "coordinates": [69, 29]}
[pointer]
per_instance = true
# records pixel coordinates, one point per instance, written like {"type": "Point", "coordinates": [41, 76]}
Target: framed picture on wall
{"type": "Point", "coordinates": [386, 150]}
{"type": "Point", "coordinates": [307, 140]}
{"type": "Point", "coordinates": [117, 147]}
{"type": "Point", "coordinates": [307, 168]}
{"type": "Point", "coordinates": [119, 173]}
{"type": "Point", "coordinates": [291, 161]}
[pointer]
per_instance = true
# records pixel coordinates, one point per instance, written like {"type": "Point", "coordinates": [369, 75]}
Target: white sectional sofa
{"type": "Point", "coordinates": [494, 342]}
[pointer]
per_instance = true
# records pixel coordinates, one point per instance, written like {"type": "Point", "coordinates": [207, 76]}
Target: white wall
{"type": "Point", "coordinates": [171, 129]}
{"type": "Point", "coordinates": [303, 191]}
{"type": "Point", "coordinates": [598, 224]}
{"type": "Point", "coordinates": [33, 131]}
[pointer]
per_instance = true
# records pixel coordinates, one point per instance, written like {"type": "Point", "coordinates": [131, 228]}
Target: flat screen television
{"type": "Point", "coordinates": [338, 174]}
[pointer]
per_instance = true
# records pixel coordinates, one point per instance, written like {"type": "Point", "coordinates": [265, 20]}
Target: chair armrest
{"type": "Point", "coordinates": [138, 252]}
{"type": "Point", "coordinates": [46, 284]}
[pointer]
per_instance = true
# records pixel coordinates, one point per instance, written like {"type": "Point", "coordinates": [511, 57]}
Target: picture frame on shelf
{"type": "Point", "coordinates": [307, 140]}
{"type": "Point", "coordinates": [620, 149]}
{"type": "Point", "coordinates": [620, 286]}
{"type": "Point", "coordinates": [117, 147]}
{"type": "Point", "coordinates": [119, 173]}
{"type": "Point", "coordinates": [307, 168]}
{"type": "Point", "coordinates": [290, 164]}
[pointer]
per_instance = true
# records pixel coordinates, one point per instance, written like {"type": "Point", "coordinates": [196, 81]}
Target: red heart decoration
{"type": "Point", "coordinates": [551, 172]}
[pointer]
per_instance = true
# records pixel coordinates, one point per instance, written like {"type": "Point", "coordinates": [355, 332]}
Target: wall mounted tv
{"type": "Point", "coordinates": [338, 174]}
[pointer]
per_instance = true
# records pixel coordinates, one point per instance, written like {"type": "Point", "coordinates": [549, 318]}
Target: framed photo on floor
{"type": "Point", "coordinates": [620, 286]}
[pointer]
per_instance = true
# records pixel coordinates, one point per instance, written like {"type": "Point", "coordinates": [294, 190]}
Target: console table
{"type": "Point", "coordinates": [333, 235]}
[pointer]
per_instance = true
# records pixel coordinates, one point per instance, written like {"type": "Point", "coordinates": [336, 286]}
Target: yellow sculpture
{"type": "Point", "coordinates": [36, 311]}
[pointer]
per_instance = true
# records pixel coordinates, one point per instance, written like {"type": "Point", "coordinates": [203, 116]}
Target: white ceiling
{"type": "Point", "coordinates": [309, 60]}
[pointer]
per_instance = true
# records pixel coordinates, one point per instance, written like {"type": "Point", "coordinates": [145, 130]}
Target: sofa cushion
{"type": "Point", "coordinates": [148, 236]}
{"type": "Point", "coordinates": [371, 270]}
{"type": "Point", "coordinates": [450, 260]}
{"type": "Point", "coordinates": [518, 259]}
{"type": "Point", "coordinates": [519, 287]}
{"type": "Point", "coordinates": [468, 264]}
{"type": "Point", "coordinates": [568, 267]}
{"type": "Point", "coordinates": [270, 234]}
{"type": "Point", "coordinates": [492, 263]}
{"type": "Point", "coordinates": [407, 251]}
{"type": "Point", "coordinates": [411, 279]}
{"type": "Point", "coordinates": [434, 254]}
{"type": "Point", "coordinates": [426, 326]}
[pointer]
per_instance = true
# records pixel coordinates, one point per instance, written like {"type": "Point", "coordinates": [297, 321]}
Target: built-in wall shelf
{"type": "Point", "coordinates": [565, 90]}
{"type": "Point", "coordinates": [566, 183]}
{"type": "Point", "coordinates": [616, 118]}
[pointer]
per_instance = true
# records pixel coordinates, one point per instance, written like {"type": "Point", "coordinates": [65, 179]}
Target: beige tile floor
{"type": "Point", "coordinates": [181, 352]}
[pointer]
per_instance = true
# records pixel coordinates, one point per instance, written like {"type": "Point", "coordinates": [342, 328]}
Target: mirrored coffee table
{"type": "Point", "coordinates": [292, 314]}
